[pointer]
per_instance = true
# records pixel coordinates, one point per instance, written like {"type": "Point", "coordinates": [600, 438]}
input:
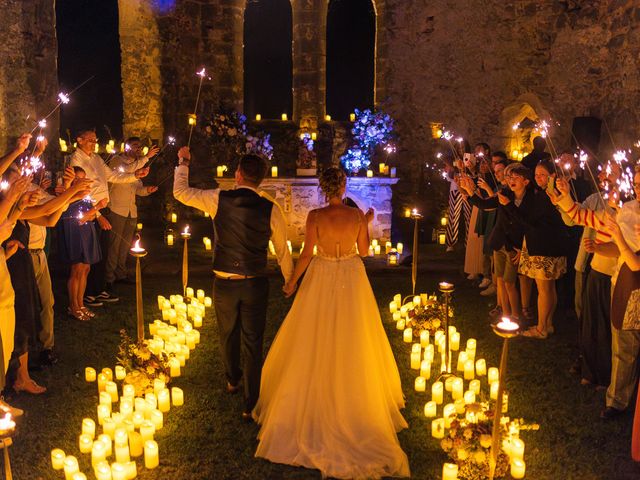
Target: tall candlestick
{"type": "Point", "coordinates": [185, 260]}
{"type": "Point", "coordinates": [139, 252]}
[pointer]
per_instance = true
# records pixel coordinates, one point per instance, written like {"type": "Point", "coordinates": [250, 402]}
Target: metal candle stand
{"type": "Point", "coordinates": [414, 264]}
{"type": "Point", "coordinates": [185, 262]}
{"type": "Point", "coordinates": [446, 289]}
{"type": "Point", "coordinates": [139, 253]}
{"type": "Point", "coordinates": [506, 334]}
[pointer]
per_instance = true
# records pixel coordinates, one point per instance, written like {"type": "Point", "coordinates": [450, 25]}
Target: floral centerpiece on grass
{"type": "Point", "coordinates": [142, 365]}
{"type": "Point", "coordinates": [469, 441]}
{"type": "Point", "coordinates": [429, 316]}
{"type": "Point", "coordinates": [371, 130]}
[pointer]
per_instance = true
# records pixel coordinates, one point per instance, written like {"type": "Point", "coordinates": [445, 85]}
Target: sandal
{"type": "Point", "coordinates": [527, 313]}
{"type": "Point", "coordinates": [496, 312]}
{"type": "Point", "coordinates": [77, 315]}
{"type": "Point", "coordinates": [87, 312]}
{"type": "Point", "coordinates": [30, 387]}
{"type": "Point", "coordinates": [533, 332]}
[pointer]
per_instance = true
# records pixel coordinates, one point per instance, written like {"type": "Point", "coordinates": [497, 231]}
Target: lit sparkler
{"type": "Point", "coordinates": [202, 74]}
{"type": "Point", "coordinates": [4, 185]}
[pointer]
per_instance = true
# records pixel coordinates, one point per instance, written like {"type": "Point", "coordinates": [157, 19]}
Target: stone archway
{"type": "Point", "coordinates": [518, 125]}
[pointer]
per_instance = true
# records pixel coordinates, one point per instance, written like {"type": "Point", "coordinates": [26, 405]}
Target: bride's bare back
{"type": "Point", "coordinates": [338, 228]}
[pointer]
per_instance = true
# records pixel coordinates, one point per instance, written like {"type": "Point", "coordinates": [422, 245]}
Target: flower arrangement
{"type": "Point", "coordinates": [429, 316]}
{"type": "Point", "coordinates": [370, 130]}
{"type": "Point", "coordinates": [258, 144]}
{"type": "Point", "coordinates": [306, 153]}
{"type": "Point", "coordinates": [142, 365]}
{"type": "Point", "coordinates": [229, 128]}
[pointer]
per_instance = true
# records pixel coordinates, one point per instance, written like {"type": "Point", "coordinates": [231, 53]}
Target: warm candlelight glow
{"type": "Point", "coordinates": [186, 233]}
{"type": "Point", "coordinates": [137, 248]}
{"type": "Point", "coordinates": [507, 325]}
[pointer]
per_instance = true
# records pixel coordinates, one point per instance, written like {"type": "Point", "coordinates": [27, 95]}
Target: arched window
{"type": "Point", "coordinates": [267, 58]}
{"type": "Point", "coordinates": [89, 45]}
{"type": "Point", "coordinates": [351, 43]}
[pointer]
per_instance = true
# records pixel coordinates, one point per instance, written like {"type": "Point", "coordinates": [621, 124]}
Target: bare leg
{"type": "Point", "coordinates": [547, 302]}
{"type": "Point", "coordinates": [503, 299]}
{"type": "Point", "coordinates": [511, 292]}
{"type": "Point", "coordinates": [83, 283]}
{"type": "Point", "coordinates": [23, 381]}
{"type": "Point", "coordinates": [72, 286]}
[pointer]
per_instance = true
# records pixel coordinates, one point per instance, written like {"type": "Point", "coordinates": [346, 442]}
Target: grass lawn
{"type": "Point", "coordinates": [206, 439]}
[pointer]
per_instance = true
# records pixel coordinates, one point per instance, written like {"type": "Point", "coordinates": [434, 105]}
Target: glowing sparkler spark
{"type": "Point", "coordinates": [40, 138]}
{"type": "Point", "coordinates": [447, 135]}
{"type": "Point", "coordinates": [390, 148]}
{"type": "Point", "coordinates": [4, 185]}
{"type": "Point", "coordinates": [202, 73]}
{"type": "Point", "coordinates": [63, 98]}
{"type": "Point", "coordinates": [583, 158]}
{"type": "Point", "coordinates": [515, 126]}
{"type": "Point", "coordinates": [171, 141]}
{"type": "Point", "coordinates": [620, 156]}
{"type": "Point", "coordinates": [459, 139]}
{"type": "Point", "coordinates": [439, 155]}
{"type": "Point", "coordinates": [121, 169]}
{"type": "Point", "coordinates": [567, 166]}
{"type": "Point", "coordinates": [42, 123]}
{"type": "Point", "coordinates": [88, 198]}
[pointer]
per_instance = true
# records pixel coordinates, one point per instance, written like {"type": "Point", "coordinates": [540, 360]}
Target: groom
{"type": "Point", "coordinates": [243, 222]}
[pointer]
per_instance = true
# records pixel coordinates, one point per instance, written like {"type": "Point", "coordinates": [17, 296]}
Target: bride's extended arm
{"type": "Point", "coordinates": [306, 255]}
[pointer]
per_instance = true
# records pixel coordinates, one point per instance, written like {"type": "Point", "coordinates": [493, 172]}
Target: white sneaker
{"type": "Point", "coordinates": [472, 276]}
{"type": "Point", "coordinates": [485, 283]}
{"type": "Point", "coordinates": [489, 291]}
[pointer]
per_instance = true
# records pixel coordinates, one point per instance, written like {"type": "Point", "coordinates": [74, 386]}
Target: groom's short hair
{"type": "Point", "coordinates": [253, 168]}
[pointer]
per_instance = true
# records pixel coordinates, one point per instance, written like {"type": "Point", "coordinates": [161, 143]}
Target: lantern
{"type": "Point", "coordinates": [393, 258]}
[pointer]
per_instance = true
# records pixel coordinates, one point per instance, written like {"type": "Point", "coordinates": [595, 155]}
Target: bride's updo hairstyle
{"type": "Point", "coordinates": [332, 181]}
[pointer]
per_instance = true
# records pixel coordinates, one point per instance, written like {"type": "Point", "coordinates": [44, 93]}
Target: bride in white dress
{"type": "Point", "coordinates": [330, 395]}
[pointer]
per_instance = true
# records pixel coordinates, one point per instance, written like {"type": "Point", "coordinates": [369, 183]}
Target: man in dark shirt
{"type": "Point", "coordinates": [531, 160]}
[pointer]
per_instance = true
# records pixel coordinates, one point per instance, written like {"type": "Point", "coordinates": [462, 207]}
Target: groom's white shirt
{"type": "Point", "coordinates": [207, 201]}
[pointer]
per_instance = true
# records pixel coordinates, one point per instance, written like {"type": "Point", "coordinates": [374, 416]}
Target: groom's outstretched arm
{"type": "Point", "coordinates": [279, 240]}
{"type": "Point", "coordinates": [205, 200]}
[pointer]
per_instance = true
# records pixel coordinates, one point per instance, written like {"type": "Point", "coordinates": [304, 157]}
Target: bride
{"type": "Point", "coordinates": [330, 395]}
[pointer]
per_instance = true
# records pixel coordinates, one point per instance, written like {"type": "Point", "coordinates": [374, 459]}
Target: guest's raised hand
{"type": "Point", "coordinates": [503, 199]}
{"type": "Point", "coordinates": [45, 183]}
{"type": "Point", "coordinates": [482, 183]}
{"type": "Point", "coordinates": [29, 199]}
{"type": "Point", "coordinates": [12, 247]}
{"type": "Point", "coordinates": [23, 142]}
{"type": "Point", "coordinates": [41, 145]}
{"type": "Point", "coordinates": [467, 185]}
{"type": "Point", "coordinates": [68, 176]}
{"type": "Point", "coordinates": [152, 189]}
{"type": "Point", "coordinates": [102, 204]}
{"type": "Point", "coordinates": [563, 186]}
{"type": "Point", "coordinates": [184, 153]}
{"type": "Point", "coordinates": [142, 172]}
{"type": "Point", "coordinates": [18, 187]}
{"type": "Point", "coordinates": [153, 151]}
{"type": "Point", "coordinates": [515, 257]}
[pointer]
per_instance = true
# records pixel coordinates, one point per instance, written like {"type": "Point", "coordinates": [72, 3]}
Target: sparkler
{"type": "Point", "coordinates": [202, 73]}
{"type": "Point", "coordinates": [4, 185]}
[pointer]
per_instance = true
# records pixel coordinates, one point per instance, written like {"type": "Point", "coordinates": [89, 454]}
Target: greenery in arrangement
{"type": "Point", "coordinates": [142, 365]}
{"type": "Point", "coordinates": [430, 316]}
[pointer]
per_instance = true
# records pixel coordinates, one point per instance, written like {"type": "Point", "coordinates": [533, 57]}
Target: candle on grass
{"type": "Point", "coordinates": [448, 414]}
{"type": "Point", "coordinates": [450, 471]}
{"type": "Point", "coordinates": [107, 442]}
{"type": "Point", "coordinates": [430, 409]}
{"type": "Point", "coordinates": [457, 388]}
{"type": "Point", "coordinates": [415, 360]}
{"type": "Point", "coordinates": [425, 369]}
{"type": "Point", "coordinates": [90, 374]}
{"type": "Point", "coordinates": [151, 457]}
{"type": "Point", "coordinates": [437, 392]}
{"type": "Point", "coordinates": [469, 397]}
{"type": "Point", "coordinates": [102, 471]}
{"type": "Point", "coordinates": [407, 336]}
{"type": "Point", "coordinates": [89, 427]}
{"type": "Point", "coordinates": [57, 458]}
{"type": "Point", "coordinates": [493, 375]}
{"type": "Point", "coordinates": [481, 367]}
{"type": "Point", "coordinates": [437, 428]}
{"type": "Point", "coordinates": [135, 444]}
{"type": "Point", "coordinates": [420, 384]}
{"type": "Point", "coordinates": [469, 370]}
{"type": "Point", "coordinates": [177, 396]}
{"type": "Point", "coordinates": [120, 372]}
{"type": "Point", "coordinates": [518, 468]}
{"type": "Point", "coordinates": [493, 394]}
{"type": "Point", "coordinates": [70, 466]}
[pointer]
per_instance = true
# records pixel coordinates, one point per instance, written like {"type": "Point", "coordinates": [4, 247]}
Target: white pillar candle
{"type": "Point", "coordinates": [448, 383]}
{"type": "Point", "coordinates": [424, 338]}
{"type": "Point", "coordinates": [98, 453]}
{"type": "Point", "coordinates": [70, 466]}
{"type": "Point", "coordinates": [190, 292]}
{"type": "Point", "coordinates": [103, 412]}
{"type": "Point", "coordinates": [452, 329]}
{"type": "Point", "coordinates": [102, 471]}
{"type": "Point", "coordinates": [474, 386]}
{"type": "Point", "coordinates": [457, 388]}
{"type": "Point", "coordinates": [78, 476]}
{"type": "Point", "coordinates": [450, 471]}
{"type": "Point", "coordinates": [471, 348]}
{"type": "Point", "coordinates": [107, 442]}
{"type": "Point", "coordinates": [158, 385]}
{"type": "Point", "coordinates": [109, 426]}
{"type": "Point", "coordinates": [462, 358]}
{"type": "Point", "coordinates": [108, 373]}
{"type": "Point", "coordinates": [112, 389]}
{"type": "Point", "coordinates": [393, 307]}
{"type": "Point", "coordinates": [122, 453]}
{"type": "Point", "coordinates": [128, 391]}
{"type": "Point", "coordinates": [140, 405]}
{"type": "Point", "coordinates": [135, 444]}
{"type": "Point", "coordinates": [415, 360]}
{"type": "Point", "coordinates": [429, 352]}
{"type": "Point", "coordinates": [132, 470]}
{"type": "Point", "coordinates": [400, 324]}
{"type": "Point", "coordinates": [105, 399]}
{"type": "Point", "coordinates": [448, 414]}
{"type": "Point", "coordinates": [157, 418]}
{"type": "Point", "coordinates": [416, 298]}
{"type": "Point", "coordinates": [177, 396]}
{"type": "Point", "coordinates": [274, 170]}
{"type": "Point", "coordinates": [437, 392]}
{"type": "Point", "coordinates": [57, 458]}
{"type": "Point", "coordinates": [517, 449]}
{"type": "Point", "coordinates": [460, 405]}
{"type": "Point", "coordinates": [493, 375]}
{"type": "Point", "coordinates": [147, 430]}
{"type": "Point", "coordinates": [102, 381]}
{"type": "Point", "coordinates": [121, 436]}
{"type": "Point", "coordinates": [454, 341]}
{"type": "Point", "coordinates": [118, 471]}
{"type": "Point", "coordinates": [126, 407]}
{"type": "Point", "coordinates": [120, 372]}
{"type": "Point", "coordinates": [430, 409]}
{"type": "Point", "coordinates": [152, 400]}
{"type": "Point", "coordinates": [174, 366]}
{"type": "Point", "coordinates": [89, 428]}
{"type": "Point", "coordinates": [469, 370]}
{"type": "Point", "coordinates": [408, 335]}
{"type": "Point", "coordinates": [425, 369]}
{"type": "Point", "coordinates": [493, 394]}
{"type": "Point", "coordinates": [518, 468]}
{"type": "Point", "coordinates": [90, 374]}
{"type": "Point", "coordinates": [197, 321]}
{"type": "Point", "coordinates": [437, 428]}
{"type": "Point", "coordinates": [207, 301]}
{"type": "Point", "coordinates": [469, 397]}
{"type": "Point", "coordinates": [164, 400]}
{"type": "Point", "coordinates": [151, 457]}
{"type": "Point", "coordinates": [420, 384]}
{"type": "Point", "coordinates": [481, 367]}
{"type": "Point", "coordinates": [400, 246]}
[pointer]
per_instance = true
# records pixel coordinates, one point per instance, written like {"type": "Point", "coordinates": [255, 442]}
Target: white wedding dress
{"type": "Point", "coordinates": [330, 395]}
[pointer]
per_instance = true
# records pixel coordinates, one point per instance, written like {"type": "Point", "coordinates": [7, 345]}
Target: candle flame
{"type": "Point", "coordinates": [137, 245]}
{"type": "Point", "coordinates": [507, 324]}
{"type": "Point", "coordinates": [6, 423]}
{"type": "Point", "coordinates": [201, 73]}
{"type": "Point", "coordinates": [186, 230]}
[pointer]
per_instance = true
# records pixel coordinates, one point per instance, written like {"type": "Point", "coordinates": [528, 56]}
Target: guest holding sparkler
{"type": "Point", "coordinates": [100, 175]}
{"type": "Point", "coordinates": [123, 214]}
{"type": "Point", "coordinates": [79, 246]}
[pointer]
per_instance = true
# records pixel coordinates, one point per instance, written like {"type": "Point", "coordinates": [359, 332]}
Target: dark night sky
{"type": "Point", "coordinates": [88, 45]}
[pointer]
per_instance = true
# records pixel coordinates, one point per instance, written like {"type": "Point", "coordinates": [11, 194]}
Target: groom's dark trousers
{"type": "Point", "coordinates": [241, 311]}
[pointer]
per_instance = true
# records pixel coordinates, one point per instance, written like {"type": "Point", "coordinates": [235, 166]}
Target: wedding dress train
{"type": "Point", "coordinates": [330, 395]}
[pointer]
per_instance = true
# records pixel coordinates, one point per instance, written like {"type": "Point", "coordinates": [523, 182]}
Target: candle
{"type": "Point", "coordinates": [135, 444]}
{"type": "Point", "coordinates": [454, 343]}
{"type": "Point", "coordinates": [437, 428]}
{"type": "Point", "coordinates": [98, 452]}
{"type": "Point", "coordinates": [157, 418]}
{"type": "Point", "coordinates": [517, 449]}
{"type": "Point", "coordinates": [415, 360]}
{"type": "Point", "coordinates": [392, 172]}
{"type": "Point", "coordinates": [493, 375]}
{"type": "Point", "coordinates": [174, 218]}
{"type": "Point", "coordinates": [102, 380]}
{"type": "Point", "coordinates": [200, 295]}
{"type": "Point", "coordinates": [469, 370]}
{"type": "Point", "coordinates": [381, 168]}
{"type": "Point", "coordinates": [70, 466]}
{"type": "Point", "coordinates": [420, 384]}
{"type": "Point", "coordinates": [450, 471]}
{"type": "Point", "coordinates": [132, 470]}
{"type": "Point", "coordinates": [416, 299]}
{"type": "Point", "coordinates": [481, 367]}
{"type": "Point", "coordinates": [471, 348]}
{"type": "Point", "coordinates": [126, 407]}
{"type": "Point", "coordinates": [518, 468]}
{"type": "Point", "coordinates": [327, 118]}
{"type": "Point", "coordinates": [174, 366]}
{"type": "Point", "coordinates": [103, 413]}
{"type": "Point", "coordinates": [164, 402]}
{"type": "Point", "coordinates": [448, 414]}
{"type": "Point", "coordinates": [122, 453]}
{"type": "Point", "coordinates": [120, 372]}
{"type": "Point", "coordinates": [274, 171]}
{"type": "Point", "coordinates": [151, 459]}
{"type": "Point", "coordinates": [393, 307]}
{"type": "Point", "coordinates": [369, 173]}
{"type": "Point", "coordinates": [89, 428]}
{"type": "Point", "coordinates": [57, 458]}
{"type": "Point", "coordinates": [170, 239]}
{"type": "Point", "coordinates": [90, 374]}
{"type": "Point", "coordinates": [462, 359]}
{"type": "Point", "coordinates": [102, 471]}
{"type": "Point", "coordinates": [109, 427]}
{"type": "Point", "coordinates": [78, 476]}
{"type": "Point", "coordinates": [128, 391]}
{"type": "Point", "coordinates": [437, 392]}
{"type": "Point", "coordinates": [106, 441]}
{"type": "Point", "coordinates": [469, 397]}
{"type": "Point", "coordinates": [177, 397]}
{"type": "Point", "coordinates": [424, 338]}
{"type": "Point", "coordinates": [118, 471]}
{"type": "Point", "coordinates": [284, 117]}
{"type": "Point", "coordinates": [207, 301]}
{"type": "Point", "coordinates": [460, 405]}
{"type": "Point", "coordinates": [430, 409]}
{"type": "Point", "coordinates": [377, 250]}
{"type": "Point", "coordinates": [147, 430]}
{"type": "Point", "coordinates": [457, 388]}
{"type": "Point", "coordinates": [352, 117]}
{"type": "Point", "coordinates": [190, 292]}
{"type": "Point", "coordinates": [425, 369]}
{"type": "Point", "coordinates": [112, 389]}
{"type": "Point", "coordinates": [494, 390]}
{"type": "Point", "coordinates": [400, 247]}
{"type": "Point", "coordinates": [429, 352]}
{"type": "Point", "coordinates": [407, 336]}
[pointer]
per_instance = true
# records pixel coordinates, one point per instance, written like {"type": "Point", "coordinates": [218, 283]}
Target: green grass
{"type": "Point", "coordinates": [206, 439]}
